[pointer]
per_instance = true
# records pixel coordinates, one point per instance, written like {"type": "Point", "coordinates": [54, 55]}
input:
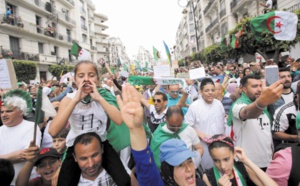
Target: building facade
{"type": "Point", "coordinates": [205, 22]}
{"type": "Point", "coordinates": [44, 30]}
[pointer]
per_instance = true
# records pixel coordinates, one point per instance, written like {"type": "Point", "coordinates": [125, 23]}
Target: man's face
{"type": "Point", "coordinates": [159, 103]}
{"type": "Point", "coordinates": [89, 159]}
{"type": "Point", "coordinates": [11, 116]}
{"type": "Point", "coordinates": [218, 90]}
{"type": "Point", "coordinates": [47, 167]}
{"type": "Point", "coordinates": [253, 89]}
{"type": "Point", "coordinates": [151, 87]}
{"type": "Point", "coordinates": [174, 91]}
{"type": "Point", "coordinates": [174, 123]}
{"type": "Point", "coordinates": [286, 79]}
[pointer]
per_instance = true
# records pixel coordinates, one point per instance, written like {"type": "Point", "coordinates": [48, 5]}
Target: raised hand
{"type": "Point", "coordinates": [240, 153]}
{"type": "Point", "coordinates": [94, 94]}
{"type": "Point", "coordinates": [79, 93]}
{"type": "Point", "coordinates": [32, 152]}
{"type": "Point", "coordinates": [130, 106]}
{"type": "Point", "coordinates": [270, 94]}
{"type": "Point", "coordinates": [224, 180]}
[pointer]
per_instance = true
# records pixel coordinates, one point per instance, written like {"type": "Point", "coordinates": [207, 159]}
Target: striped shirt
{"type": "Point", "coordinates": [103, 179]}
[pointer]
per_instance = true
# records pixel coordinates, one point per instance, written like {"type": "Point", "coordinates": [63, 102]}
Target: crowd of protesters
{"type": "Point", "coordinates": [228, 128]}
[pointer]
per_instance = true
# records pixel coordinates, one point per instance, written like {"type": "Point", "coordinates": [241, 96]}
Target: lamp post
{"type": "Point", "coordinates": [184, 4]}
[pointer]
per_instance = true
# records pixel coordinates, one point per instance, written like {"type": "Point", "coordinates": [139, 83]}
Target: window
{"type": "Point", "coordinates": [38, 22]}
{"type": "Point", "coordinates": [84, 38]}
{"type": "Point", "coordinates": [41, 48]}
{"type": "Point", "coordinates": [55, 50]}
{"type": "Point", "coordinates": [192, 28]}
{"type": "Point", "coordinates": [82, 20]}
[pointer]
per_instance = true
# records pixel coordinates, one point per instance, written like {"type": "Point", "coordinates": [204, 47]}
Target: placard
{"type": "Point", "coordinates": [8, 79]}
{"type": "Point", "coordinates": [124, 73]}
{"type": "Point", "coordinates": [197, 73]}
{"type": "Point", "coordinates": [162, 71]}
{"type": "Point", "coordinates": [183, 75]}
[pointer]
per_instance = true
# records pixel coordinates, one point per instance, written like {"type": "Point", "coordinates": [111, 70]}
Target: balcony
{"type": "Point", "coordinates": [64, 17]}
{"type": "Point", "coordinates": [93, 48]}
{"type": "Point", "coordinates": [211, 25]}
{"type": "Point", "coordinates": [238, 4]}
{"type": "Point", "coordinates": [68, 3]}
{"type": "Point", "coordinates": [27, 28]}
{"type": "Point", "coordinates": [294, 7]}
{"type": "Point", "coordinates": [222, 13]}
{"type": "Point", "coordinates": [37, 6]}
{"type": "Point", "coordinates": [210, 3]}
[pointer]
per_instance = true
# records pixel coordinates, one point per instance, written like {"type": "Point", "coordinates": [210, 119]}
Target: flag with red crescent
{"type": "Point", "coordinates": [282, 24]}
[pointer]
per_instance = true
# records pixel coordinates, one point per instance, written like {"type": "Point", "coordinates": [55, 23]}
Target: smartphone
{"type": "Point", "coordinates": [272, 74]}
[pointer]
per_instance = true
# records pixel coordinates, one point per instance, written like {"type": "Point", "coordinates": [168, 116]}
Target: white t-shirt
{"type": "Point", "coordinates": [18, 138]}
{"type": "Point", "coordinates": [288, 97]}
{"type": "Point", "coordinates": [85, 118]}
{"type": "Point", "coordinates": [209, 119]}
{"type": "Point", "coordinates": [254, 136]}
{"type": "Point", "coordinates": [103, 179]}
{"type": "Point", "coordinates": [269, 4]}
{"type": "Point", "coordinates": [156, 118]}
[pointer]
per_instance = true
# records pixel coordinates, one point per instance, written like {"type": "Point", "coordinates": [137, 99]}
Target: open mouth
{"type": "Point", "coordinates": [190, 179]}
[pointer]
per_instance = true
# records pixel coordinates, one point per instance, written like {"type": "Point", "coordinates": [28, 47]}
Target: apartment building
{"type": "Point", "coordinates": [205, 22]}
{"type": "Point", "coordinates": [144, 57]}
{"type": "Point", "coordinates": [44, 30]}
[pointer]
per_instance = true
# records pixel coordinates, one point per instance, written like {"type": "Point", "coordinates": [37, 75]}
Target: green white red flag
{"type": "Point", "coordinates": [282, 24]}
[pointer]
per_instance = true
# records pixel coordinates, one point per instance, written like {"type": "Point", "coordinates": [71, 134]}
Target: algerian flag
{"type": "Point", "coordinates": [84, 55]}
{"type": "Point", "coordinates": [44, 108]}
{"type": "Point", "coordinates": [75, 49]}
{"type": "Point", "coordinates": [280, 23]}
{"type": "Point", "coordinates": [156, 54]}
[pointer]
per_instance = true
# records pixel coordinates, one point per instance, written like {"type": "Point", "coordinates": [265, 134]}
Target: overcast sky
{"type": "Point", "coordinates": [141, 22]}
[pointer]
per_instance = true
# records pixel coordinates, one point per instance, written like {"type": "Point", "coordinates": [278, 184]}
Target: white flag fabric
{"type": "Point", "coordinates": [285, 27]}
{"type": "Point", "coordinates": [84, 55]}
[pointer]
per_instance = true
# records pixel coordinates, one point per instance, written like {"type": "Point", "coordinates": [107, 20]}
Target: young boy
{"type": "Point", "coordinates": [59, 142]}
{"type": "Point", "coordinates": [47, 162]}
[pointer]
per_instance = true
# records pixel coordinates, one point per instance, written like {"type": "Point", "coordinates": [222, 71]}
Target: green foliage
{"type": "Point", "coordinates": [180, 63]}
{"type": "Point", "coordinates": [247, 45]}
{"type": "Point", "coordinates": [57, 70]}
{"type": "Point", "coordinates": [25, 70]}
{"type": "Point", "coordinates": [102, 71]}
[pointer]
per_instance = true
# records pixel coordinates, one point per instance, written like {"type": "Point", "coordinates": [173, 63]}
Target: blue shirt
{"type": "Point", "coordinates": [172, 102]}
{"type": "Point", "coordinates": [146, 170]}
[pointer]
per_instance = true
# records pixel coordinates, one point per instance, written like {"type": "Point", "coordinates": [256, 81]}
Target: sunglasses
{"type": "Point", "coordinates": [175, 92]}
{"type": "Point", "coordinates": [157, 100]}
{"type": "Point", "coordinates": [176, 128]}
{"type": "Point", "coordinates": [233, 82]}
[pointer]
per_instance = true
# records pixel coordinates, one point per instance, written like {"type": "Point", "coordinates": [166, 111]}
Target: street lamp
{"type": "Point", "coordinates": [184, 4]}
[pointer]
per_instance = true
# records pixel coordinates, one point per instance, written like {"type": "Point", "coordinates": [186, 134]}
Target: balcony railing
{"type": "Point", "coordinates": [222, 13]}
{"type": "Point", "coordinates": [235, 2]}
{"type": "Point", "coordinates": [212, 24]}
{"type": "Point", "coordinates": [294, 7]}
{"type": "Point", "coordinates": [208, 6]}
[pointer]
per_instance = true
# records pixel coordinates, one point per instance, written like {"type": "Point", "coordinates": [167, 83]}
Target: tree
{"type": "Point", "coordinates": [249, 45]}
{"type": "Point", "coordinates": [58, 70]}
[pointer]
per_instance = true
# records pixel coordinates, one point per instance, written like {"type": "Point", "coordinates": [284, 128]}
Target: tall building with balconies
{"type": "Point", "coordinates": [213, 19]}
{"type": "Point", "coordinates": [44, 30]}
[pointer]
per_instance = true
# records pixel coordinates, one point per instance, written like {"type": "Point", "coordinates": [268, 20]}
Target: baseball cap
{"type": "Point", "coordinates": [174, 152]}
{"type": "Point", "coordinates": [47, 152]}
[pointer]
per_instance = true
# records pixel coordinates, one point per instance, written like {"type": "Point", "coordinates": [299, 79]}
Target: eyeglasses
{"type": "Point", "coordinates": [232, 69]}
{"type": "Point", "coordinates": [175, 92]}
{"type": "Point", "coordinates": [233, 82]}
{"type": "Point", "coordinates": [157, 100]}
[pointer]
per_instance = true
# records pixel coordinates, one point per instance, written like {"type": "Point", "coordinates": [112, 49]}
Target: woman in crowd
{"type": "Point", "coordinates": [207, 117]}
{"type": "Point", "coordinates": [227, 171]}
{"type": "Point", "coordinates": [177, 167]}
{"type": "Point", "coordinates": [246, 71]}
{"type": "Point", "coordinates": [87, 111]}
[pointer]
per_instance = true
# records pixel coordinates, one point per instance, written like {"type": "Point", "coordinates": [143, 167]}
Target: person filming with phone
{"type": "Point", "coordinates": [251, 120]}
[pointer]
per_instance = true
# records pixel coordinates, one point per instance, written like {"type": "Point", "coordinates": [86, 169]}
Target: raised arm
{"type": "Point", "coordinates": [258, 176]}
{"type": "Point", "coordinates": [268, 96]}
{"type": "Point", "coordinates": [65, 110]}
{"type": "Point", "coordinates": [31, 156]}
